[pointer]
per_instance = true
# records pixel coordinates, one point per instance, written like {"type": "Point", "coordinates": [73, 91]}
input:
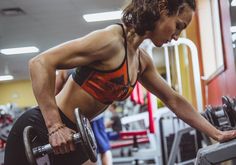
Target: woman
{"type": "Point", "coordinates": [97, 123]}
{"type": "Point", "coordinates": [109, 63]}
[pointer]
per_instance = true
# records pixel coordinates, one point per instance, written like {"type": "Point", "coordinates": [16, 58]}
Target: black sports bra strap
{"type": "Point", "coordinates": [139, 61]}
{"type": "Point", "coordinates": [126, 51]}
{"type": "Point", "coordinates": [124, 35]}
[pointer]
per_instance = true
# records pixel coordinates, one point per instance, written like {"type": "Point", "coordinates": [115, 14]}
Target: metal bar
{"type": "Point", "coordinates": [216, 153]}
{"type": "Point", "coordinates": [196, 69]}
{"type": "Point", "coordinates": [167, 62]}
{"type": "Point", "coordinates": [178, 69]}
{"type": "Point", "coordinates": [175, 146]}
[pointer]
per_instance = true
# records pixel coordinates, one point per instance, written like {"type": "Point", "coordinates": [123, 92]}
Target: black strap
{"type": "Point", "coordinates": [124, 35]}
{"type": "Point", "coordinates": [139, 63]}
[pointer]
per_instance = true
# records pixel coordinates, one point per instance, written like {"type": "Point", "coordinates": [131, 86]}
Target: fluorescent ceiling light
{"type": "Point", "coordinates": [6, 77]}
{"type": "Point", "coordinates": [233, 29]}
{"type": "Point", "coordinates": [102, 16]}
{"type": "Point", "coordinates": [233, 3]}
{"type": "Point", "coordinates": [20, 50]}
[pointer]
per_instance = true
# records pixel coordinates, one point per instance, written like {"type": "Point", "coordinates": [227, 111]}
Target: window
{"type": "Point", "coordinates": [211, 41]}
{"type": "Point", "coordinates": [233, 23]}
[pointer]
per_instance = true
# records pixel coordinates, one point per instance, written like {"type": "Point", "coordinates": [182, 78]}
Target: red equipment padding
{"type": "Point", "coordinates": [150, 112]}
{"type": "Point", "coordinates": [137, 94]}
{"type": "Point", "coordinates": [119, 144]}
{"type": "Point", "coordinates": [134, 95]}
{"type": "Point", "coordinates": [133, 133]}
{"type": "Point", "coordinates": [140, 94]}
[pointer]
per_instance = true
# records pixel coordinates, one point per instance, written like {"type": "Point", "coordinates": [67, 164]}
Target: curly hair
{"type": "Point", "coordinates": [142, 14]}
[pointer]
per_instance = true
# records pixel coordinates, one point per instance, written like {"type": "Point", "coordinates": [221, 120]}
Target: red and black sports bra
{"type": "Point", "coordinates": [106, 85]}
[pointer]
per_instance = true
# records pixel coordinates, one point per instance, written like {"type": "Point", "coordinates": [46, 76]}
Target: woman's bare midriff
{"type": "Point", "coordinates": [73, 96]}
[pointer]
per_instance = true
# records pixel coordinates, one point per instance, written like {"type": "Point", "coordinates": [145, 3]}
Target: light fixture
{"type": "Point", "coordinates": [21, 50]}
{"type": "Point", "coordinates": [6, 77]}
{"type": "Point", "coordinates": [233, 3]}
{"type": "Point", "coordinates": [112, 15]}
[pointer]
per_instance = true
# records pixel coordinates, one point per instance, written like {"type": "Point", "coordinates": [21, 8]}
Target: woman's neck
{"type": "Point", "coordinates": [134, 39]}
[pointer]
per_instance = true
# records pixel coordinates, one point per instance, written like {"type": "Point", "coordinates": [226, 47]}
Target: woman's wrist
{"type": "Point", "coordinates": [55, 128]}
{"type": "Point", "coordinates": [52, 118]}
{"type": "Point", "coordinates": [218, 135]}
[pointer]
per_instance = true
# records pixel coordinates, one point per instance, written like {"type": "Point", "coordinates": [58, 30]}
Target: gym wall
{"type": "Point", "coordinates": [18, 92]}
{"type": "Point", "coordinates": [224, 82]}
{"type": "Point", "coordinates": [193, 34]}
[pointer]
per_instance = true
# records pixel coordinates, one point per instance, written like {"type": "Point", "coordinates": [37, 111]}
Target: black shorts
{"type": "Point", "coordinates": [15, 152]}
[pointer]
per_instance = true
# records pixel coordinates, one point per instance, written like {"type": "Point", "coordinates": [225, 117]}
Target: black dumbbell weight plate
{"type": "Point", "coordinates": [208, 113]}
{"type": "Point", "coordinates": [87, 136]}
{"type": "Point", "coordinates": [28, 136]}
{"type": "Point", "coordinates": [228, 107]}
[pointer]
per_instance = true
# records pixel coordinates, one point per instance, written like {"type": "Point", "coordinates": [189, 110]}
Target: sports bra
{"type": "Point", "coordinates": [106, 86]}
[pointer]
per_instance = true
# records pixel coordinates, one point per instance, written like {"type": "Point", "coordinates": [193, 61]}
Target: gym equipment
{"type": "Point", "coordinates": [176, 146]}
{"type": "Point", "coordinates": [229, 105]}
{"type": "Point", "coordinates": [222, 117]}
{"type": "Point", "coordinates": [4, 132]}
{"type": "Point", "coordinates": [218, 117]}
{"type": "Point", "coordinates": [216, 153]}
{"type": "Point", "coordinates": [85, 136]}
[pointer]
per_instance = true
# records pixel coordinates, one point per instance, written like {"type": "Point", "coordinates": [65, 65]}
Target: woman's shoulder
{"type": "Point", "coordinates": [106, 39]}
{"type": "Point", "coordinates": [113, 34]}
{"type": "Point", "coordinates": [115, 30]}
{"type": "Point", "coordinates": [110, 32]}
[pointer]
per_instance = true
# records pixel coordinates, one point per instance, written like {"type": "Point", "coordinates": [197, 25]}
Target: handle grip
{"type": "Point", "coordinates": [47, 149]}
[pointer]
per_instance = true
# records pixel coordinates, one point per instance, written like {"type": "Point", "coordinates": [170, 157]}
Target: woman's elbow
{"type": "Point", "coordinates": [31, 62]}
{"type": "Point", "coordinates": [35, 63]}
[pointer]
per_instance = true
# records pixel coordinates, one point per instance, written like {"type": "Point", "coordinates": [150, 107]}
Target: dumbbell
{"type": "Point", "coordinates": [85, 137]}
{"type": "Point", "coordinates": [207, 114]}
{"type": "Point", "coordinates": [218, 117]}
{"type": "Point", "coordinates": [229, 106]}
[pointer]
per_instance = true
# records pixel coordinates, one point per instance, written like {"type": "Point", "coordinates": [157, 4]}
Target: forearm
{"type": "Point", "coordinates": [43, 83]}
{"type": "Point", "coordinates": [187, 113]}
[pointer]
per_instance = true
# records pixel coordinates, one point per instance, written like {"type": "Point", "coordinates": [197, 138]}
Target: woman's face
{"type": "Point", "coordinates": [170, 27]}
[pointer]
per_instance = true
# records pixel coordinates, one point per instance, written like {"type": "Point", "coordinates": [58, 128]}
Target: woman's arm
{"type": "Point", "coordinates": [97, 46]}
{"type": "Point", "coordinates": [153, 82]}
{"type": "Point", "coordinates": [83, 51]}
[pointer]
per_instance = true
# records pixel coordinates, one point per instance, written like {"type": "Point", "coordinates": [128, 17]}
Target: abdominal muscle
{"type": "Point", "coordinates": [72, 96]}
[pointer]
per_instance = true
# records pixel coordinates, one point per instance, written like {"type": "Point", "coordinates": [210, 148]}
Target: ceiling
{"type": "Point", "coordinates": [46, 23]}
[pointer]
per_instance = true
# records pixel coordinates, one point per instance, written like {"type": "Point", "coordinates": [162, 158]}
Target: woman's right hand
{"type": "Point", "coordinates": [225, 136]}
{"type": "Point", "coordinates": [61, 139]}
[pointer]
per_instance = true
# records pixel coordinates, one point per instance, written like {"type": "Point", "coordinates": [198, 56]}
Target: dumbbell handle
{"type": "Point", "coordinates": [47, 149]}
